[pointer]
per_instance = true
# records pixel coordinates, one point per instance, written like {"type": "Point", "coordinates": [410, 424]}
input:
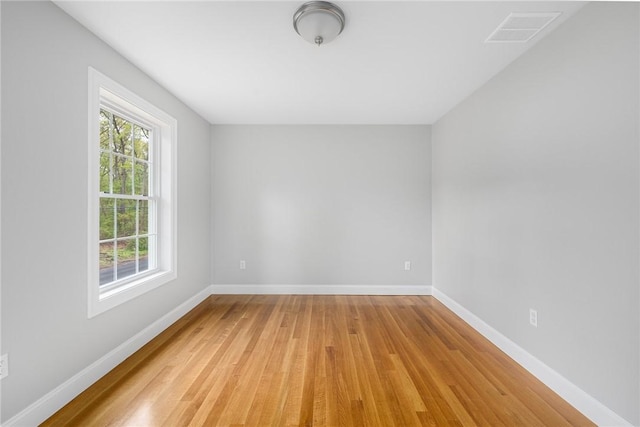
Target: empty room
{"type": "Point", "coordinates": [346, 213]}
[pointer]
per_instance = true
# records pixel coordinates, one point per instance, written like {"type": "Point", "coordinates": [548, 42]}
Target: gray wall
{"type": "Point", "coordinates": [535, 203]}
{"type": "Point", "coordinates": [317, 205]}
{"type": "Point", "coordinates": [45, 330]}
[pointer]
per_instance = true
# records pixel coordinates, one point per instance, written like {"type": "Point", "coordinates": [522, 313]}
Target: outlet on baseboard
{"type": "Point", "coordinates": [4, 365]}
{"type": "Point", "coordinates": [533, 317]}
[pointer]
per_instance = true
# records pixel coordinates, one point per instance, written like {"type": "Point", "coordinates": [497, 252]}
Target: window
{"type": "Point", "coordinates": [132, 244]}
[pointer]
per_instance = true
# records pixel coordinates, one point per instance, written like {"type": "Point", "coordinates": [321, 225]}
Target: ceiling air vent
{"type": "Point", "coordinates": [521, 27]}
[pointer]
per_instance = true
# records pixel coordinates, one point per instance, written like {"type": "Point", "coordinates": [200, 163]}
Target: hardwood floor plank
{"type": "Point", "coordinates": [284, 360]}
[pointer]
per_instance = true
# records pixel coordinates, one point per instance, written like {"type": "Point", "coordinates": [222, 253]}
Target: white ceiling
{"type": "Point", "coordinates": [240, 62]}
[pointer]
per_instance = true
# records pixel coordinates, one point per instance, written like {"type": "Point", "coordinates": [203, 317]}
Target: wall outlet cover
{"type": "Point", "coordinates": [4, 365]}
{"type": "Point", "coordinates": [533, 317]}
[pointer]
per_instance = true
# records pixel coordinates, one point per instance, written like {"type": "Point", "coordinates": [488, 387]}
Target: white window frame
{"type": "Point", "coordinates": [105, 92]}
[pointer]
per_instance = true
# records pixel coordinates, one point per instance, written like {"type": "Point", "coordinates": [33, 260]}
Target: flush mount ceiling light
{"type": "Point", "coordinates": [318, 22]}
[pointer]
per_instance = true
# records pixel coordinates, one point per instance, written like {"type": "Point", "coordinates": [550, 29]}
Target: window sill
{"type": "Point", "coordinates": [128, 291]}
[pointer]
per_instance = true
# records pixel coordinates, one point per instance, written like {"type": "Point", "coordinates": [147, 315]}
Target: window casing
{"type": "Point", "coordinates": [132, 200]}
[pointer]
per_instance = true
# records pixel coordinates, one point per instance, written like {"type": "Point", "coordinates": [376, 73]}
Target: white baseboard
{"type": "Point", "coordinates": [583, 402]}
{"type": "Point", "coordinates": [320, 290]}
{"type": "Point", "coordinates": [47, 405]}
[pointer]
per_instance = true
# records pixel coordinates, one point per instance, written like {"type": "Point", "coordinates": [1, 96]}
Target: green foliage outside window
{"type": "Point", "coordinates": [124, 170]}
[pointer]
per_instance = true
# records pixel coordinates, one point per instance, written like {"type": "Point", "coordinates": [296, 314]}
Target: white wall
{"type": "Point", "coordinates": [321, 205]}
{"type": "Point", "coordinates": [45, 330]}
{"type": "Point", "coordinates": [536, 203]}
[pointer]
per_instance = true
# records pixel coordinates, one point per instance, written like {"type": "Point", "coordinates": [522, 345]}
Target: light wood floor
{"type": "Point", "coordinates": [322, 361]}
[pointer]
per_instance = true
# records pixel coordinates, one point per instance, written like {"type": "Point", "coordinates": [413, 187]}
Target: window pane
{"type": "Point", "coordinates": [143, 217]}
{"type": "Point", "coordinates": [106, 262]}
{"type": "Point", "coordinates": [141, 178]}
{"type": "Point", "coordinates": [105, 169]}
{"type": "Point", "coordinates": [126, 258]}
{"type": "Point", "coordinates": [141, 143]}
{"type": "Point", "coordinates": [107, 218]}
{"type": "Point", "coordinates": [121, 135]}
{"type": "Point", "coordinates": [122, 175]}
{"type": "Point", "coordinates": [143, 252]}
{"type": "Point", "coordinates": [126, 216]}
{"type": "Point", "coordinates": [105, 118]}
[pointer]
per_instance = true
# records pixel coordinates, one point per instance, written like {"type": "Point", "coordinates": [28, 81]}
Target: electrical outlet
{"type": "Point", "coordinates": [243, 264]}
{"type": "Point", "coordinates": [4, 366]}
{"type": "Point", "coordinates": [533, 317]}
{"type": "Point", "coordinates": [407, 265]}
